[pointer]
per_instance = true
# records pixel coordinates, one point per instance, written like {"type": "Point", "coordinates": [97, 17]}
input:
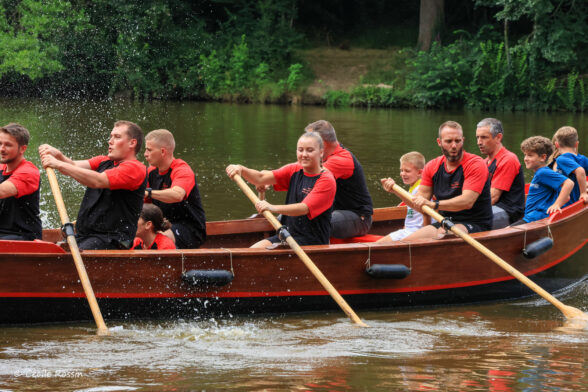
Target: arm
{"type": "Point", "coordinates": [581, 178]}
{"type": "Point", "coordinates": [296, 209]}
{"type": "Point", "coordinates": [264, 177]}
{"type": "Point", "coordinates": [174, 194]}
{"type": "Point", "coordinates": [465, 201]}
{"type": "Point", "coordinates": [388, 185]}
{"type": "Point", "coordinates": [423, 197]}
{"type": "Point", "coordinates": [7, 189]}
{"type": "Point", "coordinates": [563, 197]}
{"type": "Point", "coordinates": [495, 193]}
{"type": "Point", "coordinates": [45, 149]}
{"type": "Point", "coordinates": [81, 174]}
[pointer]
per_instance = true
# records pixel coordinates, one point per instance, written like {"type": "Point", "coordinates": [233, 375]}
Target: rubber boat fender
{"type": "Point", "coordinates": [207, 277]}
{"type": "Point", "coordinates": [538, 247]}
{"type": "Point", "coordinates": [388, 271]}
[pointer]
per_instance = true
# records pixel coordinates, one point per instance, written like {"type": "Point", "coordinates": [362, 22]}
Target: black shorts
{"type": "Point", "coordinates": [100, 242]}
{"type": "Point", "coordinates": [185, 236]}
{"type": "Point", "coordinates": [471, 227]}
{"type": "Point", "coordinates": [275, 240]}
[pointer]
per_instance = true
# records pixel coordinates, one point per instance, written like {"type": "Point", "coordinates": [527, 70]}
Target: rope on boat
{"type": "Point", "coordinates": [368, 262]}
{"type": "Point", "coordinates": [231, 259]}
{"type": "Point", "coordinates": [409, 257]}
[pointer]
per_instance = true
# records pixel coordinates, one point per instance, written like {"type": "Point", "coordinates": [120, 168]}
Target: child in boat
{"type": "Point", "coordinates": [311, 192]}
{"type": "Point", "coordinates": [149, 229]}
{"type": "Point", "coordinates": [411, 170]}
{"type": "Point", "coordinates": [569, 163]}
{"type": "Point", "coordinates": [548, 190]}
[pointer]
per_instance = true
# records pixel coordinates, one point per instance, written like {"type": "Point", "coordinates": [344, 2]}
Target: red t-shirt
{"type": "Point", "coordinates": [26, 178]}
{"type": "Point", "coordinates": [127, 175]}
{"type": "Point", "coordinates": [160, 242]}
{"type": "Point", "coordinates": [475, 172]}
{"type": "Point", "coordinates": [318, 199]}
{"type": "Point", "coordinates": [340, 163]}
{"type": "Point", "coordinates": [181, 175]}
{"type": "Point", "coordinates": [507, 168]}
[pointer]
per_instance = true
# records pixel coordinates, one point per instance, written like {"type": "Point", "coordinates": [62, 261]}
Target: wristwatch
{"type": "Point", "coordinates": [436, 205]}
{"type": "Point", "coordinates": [149, 190]}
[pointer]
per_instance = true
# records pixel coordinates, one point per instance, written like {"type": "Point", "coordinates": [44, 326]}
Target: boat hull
{"type": "Point", "coordinates": [44, 287]}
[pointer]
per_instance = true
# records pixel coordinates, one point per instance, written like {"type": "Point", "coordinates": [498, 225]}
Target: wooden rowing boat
{"type": "Point", "coordinates": [39, 282]}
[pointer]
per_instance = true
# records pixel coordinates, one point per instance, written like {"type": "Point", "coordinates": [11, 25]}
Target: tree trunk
{"type": "Point", "coordinates": [430, 23]}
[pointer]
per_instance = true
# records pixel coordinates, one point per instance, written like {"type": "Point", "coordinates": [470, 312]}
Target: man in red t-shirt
{"type": "Point", "coordinates": [459, 181]}
{"type": "Point", "coordinates": [171, 185]}
{"type": "Point", "coordinates": [19, 187]}
{"type": "Point", "coordinates": [353, 208]}
{"type": "Point", "coordinates": [507, 186]}
{"type": "Point", "coordinates": [115, 188]}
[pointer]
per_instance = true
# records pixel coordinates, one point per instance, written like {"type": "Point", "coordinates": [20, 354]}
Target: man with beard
{"type": "Point", "coordinates": [19, 187]}
{"type": "Point", "coordinates": [460, 183]}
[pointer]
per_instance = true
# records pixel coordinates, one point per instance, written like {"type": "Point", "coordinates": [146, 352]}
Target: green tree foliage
{"type": "Point", "coordinates": [537, 70]}
{"type": "Point", "coordinates": [30, 34]}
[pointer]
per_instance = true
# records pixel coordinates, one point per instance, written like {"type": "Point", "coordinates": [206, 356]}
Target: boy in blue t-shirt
{"type": "Point", "coordinates": [548, 190]}
{"type": "Point", "coordinates": [569, 163]}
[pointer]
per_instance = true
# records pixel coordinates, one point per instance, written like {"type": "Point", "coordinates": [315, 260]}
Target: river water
{"type": "Point", "coordinates": [512, 346]}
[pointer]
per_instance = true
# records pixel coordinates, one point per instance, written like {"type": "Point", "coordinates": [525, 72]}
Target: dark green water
{"type": "Point", "coordinates": [499, 347]}
{"type": "Point", "coordinates": [210, 136]}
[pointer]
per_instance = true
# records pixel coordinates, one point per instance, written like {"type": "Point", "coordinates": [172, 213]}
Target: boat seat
{"type": "Point", "coordinates": [353, 240]}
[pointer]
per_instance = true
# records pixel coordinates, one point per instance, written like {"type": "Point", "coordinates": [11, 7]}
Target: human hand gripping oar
{"type": "Point", "coordinates": [302, 255]}
{"type": "Point", "coordinates": [75, 252]}
{"type": "Point", "coordinates": [569, 311]}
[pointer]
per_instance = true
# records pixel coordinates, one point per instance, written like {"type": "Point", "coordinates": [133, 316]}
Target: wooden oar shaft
{"type": "Point", "coordinates": [303, 256]}
{"type": "Point", "coordinates": [75, 252]}
{"type": "Point", "coordinates": [568, 311]}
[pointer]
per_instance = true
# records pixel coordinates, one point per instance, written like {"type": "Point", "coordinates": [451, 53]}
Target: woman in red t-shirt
{"type": "Point", "coordinates": [151, 224]}
{"type": "Point", "coordinates": [311, 192]}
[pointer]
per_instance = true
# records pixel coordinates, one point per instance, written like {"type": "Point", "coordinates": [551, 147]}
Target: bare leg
{"type": "Point", "coordinates": [386, 238]}
{"type": "Point", "coordinates": [427, 232]}
{"type": "Point", "coordinates": [261, 244]}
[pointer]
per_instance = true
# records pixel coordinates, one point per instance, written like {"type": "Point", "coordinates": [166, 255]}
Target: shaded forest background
{"type": "Point", "coordinates": [491, 54]}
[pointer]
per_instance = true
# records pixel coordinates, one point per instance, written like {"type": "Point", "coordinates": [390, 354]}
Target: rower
{"type": "Point", "coordinates": [507, 180]}
{"type": "Point", "coordinates": [172, 186]}
{"type": "Point", "coordinates": [353, 208]}
{"type": "Point", "coordinates": [461, 186]}
{"type": "Point", "coordinates": [115, 188]}
{"type": "Point", "coordinates": [20, 181]}
{"type": "Point", "coordinates": [311, 192]}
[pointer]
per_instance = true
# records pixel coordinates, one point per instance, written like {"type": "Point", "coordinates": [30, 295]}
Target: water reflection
{"type": "Point", "coordinates": [478, 348]}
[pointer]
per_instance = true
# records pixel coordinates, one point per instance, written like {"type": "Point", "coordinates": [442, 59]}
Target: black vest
{"type": "Point", "coordinates": [513, 201]}
{"type": "Point", "coordinates": [110, 212]}
{"type": "Point", "coordinates": [306, 231]}
{"type": "Point", "coordinates": [189, 212]}
{"type": "Point", "coordinates": [352, 193]}
{"type": "Point", "coordinates": [449, 185]}
{"type": "Point", "coordinates": [20, 216]}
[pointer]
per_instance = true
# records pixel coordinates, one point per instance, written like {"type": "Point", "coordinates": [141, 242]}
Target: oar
{"type": "Point", "coordinates": [569, 311]}
{"type": "Point", "coordinates": [75, 252]}
{"type": "Point", "coordinates": [302, 255]}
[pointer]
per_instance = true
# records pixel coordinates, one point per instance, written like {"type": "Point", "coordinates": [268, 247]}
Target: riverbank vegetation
{"type": "Point", "coordinates": [489, 54]}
